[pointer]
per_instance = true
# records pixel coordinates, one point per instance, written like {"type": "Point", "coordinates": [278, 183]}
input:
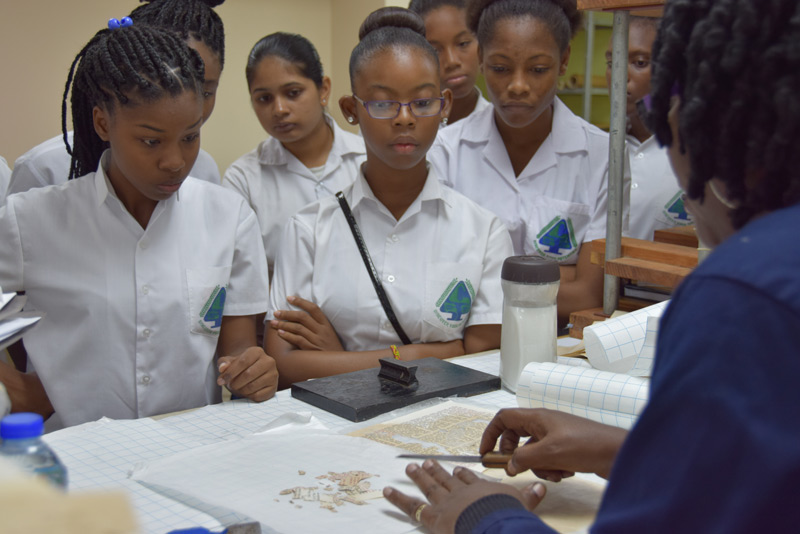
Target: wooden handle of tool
{"type": "Point", "coordinates": [495, 459]}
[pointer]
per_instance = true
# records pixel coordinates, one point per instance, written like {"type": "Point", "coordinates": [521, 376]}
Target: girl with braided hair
{"type": "Point", "coordinates": [139, 289]}
{"type": "Point", "coordinates": [528, 158]}
{"type": "Point", "coordinates": [715, 450]}
{"type": "Point", "coordinates": [201, 27]}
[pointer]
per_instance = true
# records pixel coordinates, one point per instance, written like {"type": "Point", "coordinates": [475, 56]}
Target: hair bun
{"type": "Point", "coordinates": [391, 17]}
{"type": "Point", "coordinates": [574, 16]}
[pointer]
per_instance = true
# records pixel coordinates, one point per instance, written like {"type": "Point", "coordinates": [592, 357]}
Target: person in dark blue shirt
{"type": "Point", "coordinates": [717, 449]}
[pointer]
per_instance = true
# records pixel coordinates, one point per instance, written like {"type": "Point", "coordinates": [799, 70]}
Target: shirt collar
{"type": "Point", "coordinates": [567, 130]}
{"type": "Point", "coordinates": [432, 190]}
{"type": "Point", "coordinates": [103, 187]}
{"type": "Point", "coordinates": [272, 152]}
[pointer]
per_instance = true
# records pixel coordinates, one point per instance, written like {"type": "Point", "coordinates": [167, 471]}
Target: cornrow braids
{"type": "Point", "coordinates": [386, 28]}
{"type": "Point", "coordinates": [123, 67]}
{"type": "Point", "coordinates": [423, 7]}
{"type": "Point", "coordinates": [188, 18]}
{"type": "Point", "coordinates": [736, 67]}
{"type": "Point", "coordinates": [561, 16]}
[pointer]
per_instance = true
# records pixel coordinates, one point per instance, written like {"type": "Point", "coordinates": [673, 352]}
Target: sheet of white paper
{"type": "Point", "coordinates": [100, 455]}
{"type": "Point", "coordinates": [610, 398]}
{"type": "Point", "coordinates": [291, 482]}
{"type": "Point", "coordinates": [11, 326]}
{"type": "Point", "coordinates": [5, 298]}
{"type": "Point", "coordinates": [613, 344]}
{"type": "Point", "coordinates": [643, 366]}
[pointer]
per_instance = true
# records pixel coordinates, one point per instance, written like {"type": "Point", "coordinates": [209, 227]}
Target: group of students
{"type": "Point", "coordinates": [162, 292]}
{"type": "Point", "coordinates": [390, 244]}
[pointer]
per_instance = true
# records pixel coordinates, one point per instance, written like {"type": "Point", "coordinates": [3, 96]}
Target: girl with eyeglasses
{"type": "Point", "coordinates": [529, 159]}
{"type": "Point", "coordinates": [307, 156]}
{"type": "Point", "coordinates": [436, 254]}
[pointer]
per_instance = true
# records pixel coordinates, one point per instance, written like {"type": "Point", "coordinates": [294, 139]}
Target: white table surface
{"type": "Point", "coordinates": [100, 455]}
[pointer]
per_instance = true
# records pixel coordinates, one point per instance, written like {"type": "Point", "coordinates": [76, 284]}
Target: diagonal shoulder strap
{"type": "Point", "coordinates": [373, 274]}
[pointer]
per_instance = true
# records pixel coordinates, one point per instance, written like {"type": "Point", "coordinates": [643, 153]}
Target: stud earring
{"type": "Point", "coordinates": [444, 121]}
{"type": "Point", "coordinates": [351, 120]}
{"type": "Point", "coordinates": [324, 102]}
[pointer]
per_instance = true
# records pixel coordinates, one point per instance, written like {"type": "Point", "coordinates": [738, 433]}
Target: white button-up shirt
{"type": "Point", "coordinates": [439, 264]}
{"type": "Point", "coordinates": [655, 201]}
{"type": "Point", "coordinates": [132, 314]}
{"type": "Point", "coordinates": [5, 175]}
{"type": "Point", "coordinates": [276, 184]}
{"type": "Point", "coordinates": [48, 164]}
{"type": "Point", "coordinates": [559, 200]}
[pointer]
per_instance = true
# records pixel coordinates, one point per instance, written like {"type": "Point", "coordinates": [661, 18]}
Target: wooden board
{"type": "Point", "coordinates": [648, 250]}
{"type": "Point", "coordinates": [581, 319]}
{"type": "Point", "coordinates": [685, 236]}
{"type": "Point", "coordinates": [647, 271]}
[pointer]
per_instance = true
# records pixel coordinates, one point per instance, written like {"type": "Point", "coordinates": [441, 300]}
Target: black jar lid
{"type": "Point", "coordinates": [530, 270]}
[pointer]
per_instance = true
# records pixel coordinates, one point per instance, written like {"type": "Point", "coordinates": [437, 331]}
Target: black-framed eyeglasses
{"type": "Point", "coordinates": [389, 109]}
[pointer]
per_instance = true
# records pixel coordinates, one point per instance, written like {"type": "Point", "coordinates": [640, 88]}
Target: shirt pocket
{"type": "Point", "coordinates": [450, 290]}
{"type": "Point", "coordinates": [207, 290]}
{"type": "Point", "coordinates": [555, 228]}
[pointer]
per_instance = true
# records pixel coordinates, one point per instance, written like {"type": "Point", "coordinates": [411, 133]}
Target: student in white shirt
{"type": "Point", "coordinates": [437, 254]}
{"type": "Point", "coordinates": [143, 273]}
{"type": "Point", "coordinates": [529, 159]}
{"type": "Point", "coordinates": [5, 174]}
{"type": "Point", "coordinates": [656, 200]}
{"type": "Point", "coordinates": [307, 156]}
{"type": "Point", "coordinates": [196, 21]}
{"type": "Point", "coordinates": [446, 29]}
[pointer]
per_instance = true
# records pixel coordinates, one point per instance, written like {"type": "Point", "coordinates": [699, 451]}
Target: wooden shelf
{"type": "Point", "coordinates": [646, 261]}
{"type": "Point", "coordinates": [680, 235]}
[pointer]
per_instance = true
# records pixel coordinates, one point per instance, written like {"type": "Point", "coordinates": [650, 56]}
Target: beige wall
{"type": "Point", "coordinates": [39, 40]}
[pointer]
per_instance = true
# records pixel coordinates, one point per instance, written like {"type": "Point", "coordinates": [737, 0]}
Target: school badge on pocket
{"type": "Point", "coordinates": [454, 305]}
{"type": "Point", "coordinates": [557, 239]}
{"type": "Point", "coordinates": [211, 314]}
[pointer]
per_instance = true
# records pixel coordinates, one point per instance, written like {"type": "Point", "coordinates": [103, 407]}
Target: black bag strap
{"type": "Point", "coordinates": [373, 274]}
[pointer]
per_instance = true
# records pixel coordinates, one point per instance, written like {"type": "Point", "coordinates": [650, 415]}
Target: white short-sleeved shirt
{"type": "Point", "coordinates": [276, 184]}
{"type": "Point", "coordinates": [5, 175]}
{"type": "Point", "coordinates": [559, 200]}
{"type": "Point", "coordinates": [48, 164]}
{"type": "Point", "coordinates": [655, 200]}
{"type": "Point", "coordinates": [132, 315]}
{"type": "Point", "coordinates": [439, 264]}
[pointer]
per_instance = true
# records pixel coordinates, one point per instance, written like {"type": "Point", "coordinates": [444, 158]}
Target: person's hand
{"type": "Point", "coordinates": [560, 444]}
{"type": "Point", "coordinates": [308, 329]}
{"type": "Point", "coordinates": [251, 374]}
{"type": "Point", "coordinates": [449, 495]}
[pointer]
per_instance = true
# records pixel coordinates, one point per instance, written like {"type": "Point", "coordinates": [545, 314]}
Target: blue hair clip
{"type": "Point", "coordinates": [115, 24]}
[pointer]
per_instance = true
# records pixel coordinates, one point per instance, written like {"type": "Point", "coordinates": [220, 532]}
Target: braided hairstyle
{"type": "Point", "coordinates": [561, 16]}
{"type": "Point", "coordinates": [387, 28]}
{"type": "Point", "coordinates": [423, 7]}
{"type": "Point", "coordinates": [736, 66]}
{"type": "Point", "coordinates": [291, 47]}
{"type": "Point", "coordinates": [123, 67]}
{"type": "Point", "coordinates": [189, 18]}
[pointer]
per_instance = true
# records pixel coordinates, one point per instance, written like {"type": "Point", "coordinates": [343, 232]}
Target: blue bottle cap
{"type": "Point", "coordinates": [21, 426]}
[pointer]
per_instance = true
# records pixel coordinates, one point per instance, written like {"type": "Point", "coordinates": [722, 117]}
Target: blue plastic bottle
{"type": "Point", "coordinates": [22, 443]}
